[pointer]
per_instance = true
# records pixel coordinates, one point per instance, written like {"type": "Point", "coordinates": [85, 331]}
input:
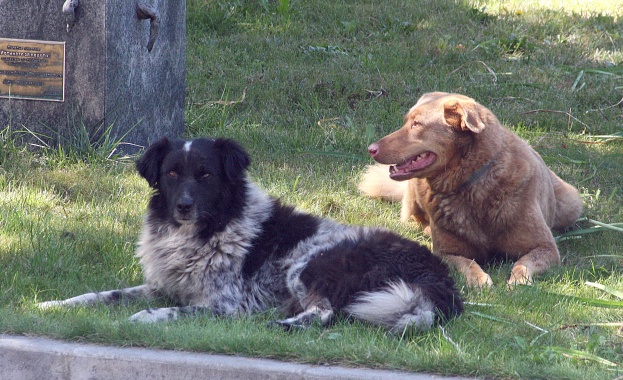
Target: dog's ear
{"type": "Point", "coordinates": [235, 158]}
{"type": "Point", "coordinates": [463, 115]}
{"type": "Point", "coordinates": [149, 164]}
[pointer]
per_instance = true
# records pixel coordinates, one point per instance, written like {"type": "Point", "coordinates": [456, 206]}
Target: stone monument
{"type": "Point", "coordinates": [108, 66]}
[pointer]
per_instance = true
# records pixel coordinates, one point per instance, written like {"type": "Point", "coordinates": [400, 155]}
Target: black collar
{"type": "Point", "coordinates": [477, 174]}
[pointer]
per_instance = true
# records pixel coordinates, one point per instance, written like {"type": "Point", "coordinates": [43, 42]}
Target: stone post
{"type": "Point", "coordinates": [111, 80]}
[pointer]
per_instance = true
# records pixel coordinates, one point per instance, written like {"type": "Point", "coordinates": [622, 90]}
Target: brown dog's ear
{"type": "Point", "coordinates": [463, 116]}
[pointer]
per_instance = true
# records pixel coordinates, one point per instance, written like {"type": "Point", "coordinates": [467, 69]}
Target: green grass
{"type": "Point", "coordinates": [306, 86]}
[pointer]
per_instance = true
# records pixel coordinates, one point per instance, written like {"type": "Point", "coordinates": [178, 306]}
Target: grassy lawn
{"type": "Point", "coordinates": [306, 86]}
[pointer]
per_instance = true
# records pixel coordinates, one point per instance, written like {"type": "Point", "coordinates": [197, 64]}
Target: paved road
{"type": "Point", "coordinates": [24, 358]}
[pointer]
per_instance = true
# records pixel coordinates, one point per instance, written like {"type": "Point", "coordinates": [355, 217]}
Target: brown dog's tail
{"type": "Point", "coordinates": [377, 184]}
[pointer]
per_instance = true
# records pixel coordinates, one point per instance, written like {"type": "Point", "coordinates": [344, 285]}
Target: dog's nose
{"type": "Point", "coordinates": [184, 204]}
{"type": "Point", "coordinates": [373, 149]}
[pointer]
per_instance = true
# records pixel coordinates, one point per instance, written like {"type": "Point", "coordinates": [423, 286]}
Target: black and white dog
{"type": "Point", "coordinates": [213, 242]}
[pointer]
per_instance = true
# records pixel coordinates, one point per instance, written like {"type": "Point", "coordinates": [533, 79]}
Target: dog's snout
{"type": "Point", "coordinates": [184, 204]}
{"type": "Point", "coordinates": [373, 149]}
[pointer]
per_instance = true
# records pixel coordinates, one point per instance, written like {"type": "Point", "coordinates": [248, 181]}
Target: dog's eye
{"type": "Point", "coordinates": [206, 175]}
{"type": "Point", "coordinates": [172, 174]}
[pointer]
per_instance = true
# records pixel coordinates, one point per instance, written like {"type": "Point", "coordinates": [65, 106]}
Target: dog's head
{"type": "Point", "coordinates": [197, 182]}
{"type": "Point", "coordinates": [436, 130]}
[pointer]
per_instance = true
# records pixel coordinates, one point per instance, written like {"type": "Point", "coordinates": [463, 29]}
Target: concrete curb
{"type": "Point", "coordinates": [23, 358]}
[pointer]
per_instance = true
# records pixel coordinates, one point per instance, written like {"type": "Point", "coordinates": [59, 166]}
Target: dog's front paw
{"type": "Point", "coordinates": [520, 275]}
{"type": "Point", "coordinates": [290, 324]}
{"type": "Point", "coordinates": [478, 279]}
{"type": "Point", "coordinates": [49, 305]}
{"type": "Point", "coordinates": [155, 315]}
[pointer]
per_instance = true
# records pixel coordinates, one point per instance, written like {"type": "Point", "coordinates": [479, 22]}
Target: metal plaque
{"type": "Point", "coordinates": [32, 69]}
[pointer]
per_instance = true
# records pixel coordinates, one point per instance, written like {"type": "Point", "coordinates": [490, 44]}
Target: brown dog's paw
{"type": "Point", "coordinates": [478, 279]}
{"type": "Point", "coordinates": [520, 275]}
{"type": "Point", "coordinates": [475, 277]}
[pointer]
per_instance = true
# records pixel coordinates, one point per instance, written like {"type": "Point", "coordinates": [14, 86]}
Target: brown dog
{"type": "Point", "coordinates": [477, 188]}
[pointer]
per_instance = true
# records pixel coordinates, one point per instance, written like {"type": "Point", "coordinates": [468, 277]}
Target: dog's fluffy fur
{"type": "Point", "coordinates": [213, 242]}
{"type": "Point", "coordinates": [478, 189]}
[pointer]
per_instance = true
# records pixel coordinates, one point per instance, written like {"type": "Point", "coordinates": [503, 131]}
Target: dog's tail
{"type": "Point", "coordinates": [377, 184]}
{"type": "Point", "coordinates": [397, 307]}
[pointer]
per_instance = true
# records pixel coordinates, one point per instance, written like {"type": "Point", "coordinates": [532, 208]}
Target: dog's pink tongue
{"type": "Point", "coordinates": [417, 163]}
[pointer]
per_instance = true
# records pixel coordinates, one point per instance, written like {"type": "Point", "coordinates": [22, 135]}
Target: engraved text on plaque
{"type": "Point", "coordinates": [32, 69]}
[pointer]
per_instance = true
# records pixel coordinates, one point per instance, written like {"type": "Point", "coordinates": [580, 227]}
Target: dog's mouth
{"type": "Point", "coordinates": [408, 168]}
{"type": "Point", "coordinates": [185, 218]}
{"type": "Point", "coordinates": [185, 222]}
